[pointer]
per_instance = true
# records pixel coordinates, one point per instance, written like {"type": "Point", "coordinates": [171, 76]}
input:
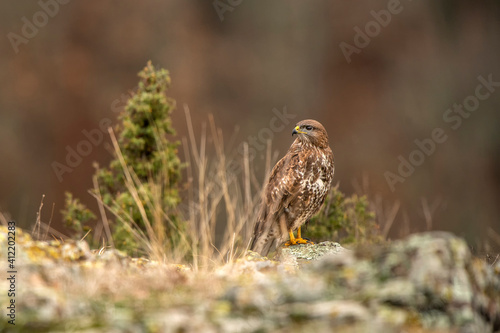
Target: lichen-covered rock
{"type": "Point", "coordinates": [430, 280]}
{"type": "Point", "coordinates": [425, 283]}
{"type": "Point", "coordinates": [308, 252]}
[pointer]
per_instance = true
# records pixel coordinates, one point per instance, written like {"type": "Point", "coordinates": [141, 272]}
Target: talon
{"type": "Point", "coordinates": [308, 241]}
{"type": "Point", "coordinates": [303, 241]}
{"type": "Point", "coordinates": [298, 240]}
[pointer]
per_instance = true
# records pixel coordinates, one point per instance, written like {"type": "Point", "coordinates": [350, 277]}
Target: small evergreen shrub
{"type": "Point", "coordinates": [141, 185]}
{"type": "Point", "coordinates": [345, 220]}
{"type": "Point", "coordinates": [76, 215]}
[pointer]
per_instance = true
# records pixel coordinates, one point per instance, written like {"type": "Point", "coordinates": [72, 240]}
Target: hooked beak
{"type": "Point", "coordinates": [297, 130]}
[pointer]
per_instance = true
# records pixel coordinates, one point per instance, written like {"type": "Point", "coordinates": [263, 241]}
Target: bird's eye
{"type": "Point", "coordinates": [309, 128]}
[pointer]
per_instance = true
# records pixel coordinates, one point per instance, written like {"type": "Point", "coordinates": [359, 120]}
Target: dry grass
{"type": "Point", "coordinates": [218, 211]}
{"type": "Point", "coordinates": [221, 207]}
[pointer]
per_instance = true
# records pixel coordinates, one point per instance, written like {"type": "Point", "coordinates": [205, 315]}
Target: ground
{"type": "Point", "coordinates": [425, 283]}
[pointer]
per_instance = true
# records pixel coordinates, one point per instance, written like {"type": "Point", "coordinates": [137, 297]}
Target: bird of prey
{"type": "Point", "coordinates": [296, 189]}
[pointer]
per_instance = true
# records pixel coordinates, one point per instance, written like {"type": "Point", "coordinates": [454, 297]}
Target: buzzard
{"type": "Point", "coordinates": [297, 187]}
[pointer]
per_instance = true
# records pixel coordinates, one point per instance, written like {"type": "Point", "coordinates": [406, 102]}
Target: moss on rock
{"type": "Point", "coordinates": [427, 282]}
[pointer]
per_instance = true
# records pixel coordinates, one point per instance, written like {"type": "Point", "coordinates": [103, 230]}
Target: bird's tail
{"type": "Point", "coordinates": [263, 240]}
{"type": "Point", "coordinates": [267, 234]}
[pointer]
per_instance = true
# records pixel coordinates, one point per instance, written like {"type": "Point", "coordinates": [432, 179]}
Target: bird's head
{"type": "Point", "coordinates": [311, 131]}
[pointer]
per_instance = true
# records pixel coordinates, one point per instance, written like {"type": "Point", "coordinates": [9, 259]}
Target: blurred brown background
{"type": "Point", "coordinates": [241, 60]}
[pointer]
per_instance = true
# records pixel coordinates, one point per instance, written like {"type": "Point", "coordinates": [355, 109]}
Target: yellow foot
{"type": "Point", "coordinates": [297, 241]}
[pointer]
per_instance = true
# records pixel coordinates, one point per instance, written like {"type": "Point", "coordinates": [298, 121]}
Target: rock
{"type": "Point", "coordinates": [431, 277]}
{"type": "Point", "coordinates": [427, 282]}
{"type": "Point", "coordinates": [310, 252]}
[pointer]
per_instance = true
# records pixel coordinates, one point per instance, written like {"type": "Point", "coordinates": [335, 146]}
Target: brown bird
{"type": "Point", "coordinates": [297, 187]}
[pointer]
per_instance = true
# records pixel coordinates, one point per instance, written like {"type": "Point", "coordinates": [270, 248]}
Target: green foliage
{"type": "Point", "coordinates": [345, 220]}
{"type": "Point", "coordinates": [76, 215]}
{"type": "Point", "coordinates": [143, 203]}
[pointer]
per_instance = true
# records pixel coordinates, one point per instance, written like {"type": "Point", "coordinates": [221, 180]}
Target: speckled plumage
{"type": "Point", "coordinates": [297, 187]}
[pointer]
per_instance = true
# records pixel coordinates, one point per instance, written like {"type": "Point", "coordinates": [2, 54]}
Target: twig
{"type": "Point", "coordinates": [102, 211]}
{"type": "Point", "coordinates": [38, 220]}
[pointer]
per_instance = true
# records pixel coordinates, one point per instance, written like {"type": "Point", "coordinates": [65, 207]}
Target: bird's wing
{"type": "Point", "coordinates": [284, 183]}
{"type": "Point", "coordinates": [283, 189]}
